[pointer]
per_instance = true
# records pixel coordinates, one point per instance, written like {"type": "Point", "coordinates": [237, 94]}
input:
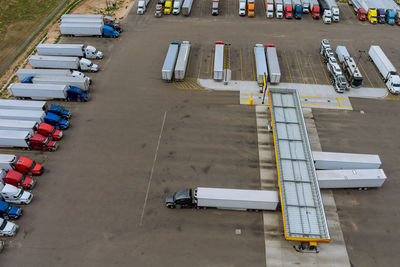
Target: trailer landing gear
{"type": "Point", "coordinates": [307, 247]}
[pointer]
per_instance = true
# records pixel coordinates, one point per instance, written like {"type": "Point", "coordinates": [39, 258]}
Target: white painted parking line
{"type": "Point", "coordinates": [152, 169]}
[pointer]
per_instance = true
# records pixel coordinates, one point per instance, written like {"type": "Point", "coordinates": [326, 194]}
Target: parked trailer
{"type": "Point", "coordinates": [181, 62]}
{"type": "Point", "coordinates": [385, 68]}
{"type": "Point", "coordinates": [219, 61]}
{"type": "Point", "coordinates": [187, 7]}
{"type": "Point", "coordinates": [62, 80]}
{"type": "Point", "coordinates": [88, 29]}
{"type": "Point", "coordinates": [361, 178]}
{"type": "Point", "coordinates": [342, 53]}
{"type": "Point", "coordinates": [18, 125]}
{"type": "Point", "coordinates": [274, 70]}
{"type": "Point", "coordinates": [25, 140]}
{"type": "Point", "coordinates": [347, 161]}
{"type": "Point", "coordinates": [56, 62]}
{"type": "Point", "coordinates": [47, 92]}
{"type": "Point", "coordinates": [22, 104]}
{"type": "Point", "coordinates": [83, 21]}
{"type": "Point", "coordinates": [350, 69]}
{"type": "Point", "coordinates": [88, 16]}
{"type": "Point", "coordinates": [223, 198]}
{"type": "Point", "coordinates": [261, 63]}
{"type": "Point", "coordinates": [335, 10]}
{"type": "Point", "coordinates": [23, 115]}
{"type": "Point", "coordinates": [170, 61]}
{"type": "Point", "coordinates": [77, 50]}
{"type": "Point", "coordinates": [25, 73]}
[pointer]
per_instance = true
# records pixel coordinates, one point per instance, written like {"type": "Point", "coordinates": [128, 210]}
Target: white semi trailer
{"type": "Point", "coordinates": [347, 161]}
{"type": "Point", "coordinates": [74, 50]}
{"type": "Point", "coordinates": [223, 198]}
{"type": "Point", "coordinates": [361, 178]}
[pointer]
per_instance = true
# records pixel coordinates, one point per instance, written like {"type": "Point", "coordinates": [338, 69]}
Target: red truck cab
{"type": "Point", "coordinates": [40, 142]}
{"type": "Point", "coordinates": [26, 165]}
{"type": "Point", "coordinates": [361, 14]}
{"type": "Point", "coordinates": [48, 130]}
{"type": "Point", "coordinates": [18, 179]}
{"type": "Point", "coordinates": [315, 11]}
{"type": "Point", "coordinates": [288, 11]}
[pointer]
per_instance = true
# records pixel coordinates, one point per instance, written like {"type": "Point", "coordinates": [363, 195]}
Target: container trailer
{"type": "Point", "coordinates": [385, 68]}
{"type": "Point", "coordinates": [19, 125]}
{"type": "Point", "coordinates": [261, 63]}
{"type": "Point", "coordinates": [274, 70]}
{"type": "Point", "coordinates": [218, 72]}
{"type": "Point", "coordinates": [23, 115]}
{"type": "Point", "coordinates": [223, 198]}
{"type": "Point", "coordinates": [24, 73]}
{"type": "Point", "coordinates": [182, 60]}
{"type": "Point", "coordinates": [187, 7]}
{"type": "Point", "coordinates": [358, 178]}
{"type": "Point", "coordinates": [78, 82]}
{"type": "Point", "coordinates": [76, 50]}
{"type": "Point", "coordinates": [170, 61]}
{"type": "Point", "coordinates": [346, 161]}
{"type": "Point", "coordinates": [88, 29]}
{"type": "Point", "coordinates": [22, 104]}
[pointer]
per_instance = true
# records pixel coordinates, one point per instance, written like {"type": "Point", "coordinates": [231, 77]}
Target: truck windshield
{"type": "Point", "coordinates": [33, 165]}
{"type": "Point", "coordinates": [22, 179]}
{"type": "Point", "coordinates": [3, 225]}
{"type": "Point", "coordinates": [7, 210]}
{"type": "Point", "coordinates": [19, 194]}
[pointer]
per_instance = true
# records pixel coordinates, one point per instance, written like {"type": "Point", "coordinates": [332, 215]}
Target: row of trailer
{"type": "Point", "coordinates": [267, 64]}
{"type": "Point", "coordinates": [89, 25]}
{"type": "Point", "coordinates": [176, 61]}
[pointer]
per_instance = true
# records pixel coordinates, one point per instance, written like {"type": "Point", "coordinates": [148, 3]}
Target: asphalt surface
{"type": "Point", "coordinates": [369, 219]}
{"type": "Point", "coordinates": [101, 202]}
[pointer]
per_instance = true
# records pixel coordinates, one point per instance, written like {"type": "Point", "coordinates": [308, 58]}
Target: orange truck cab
{"type": "Point", "coordinates": [250, 8]}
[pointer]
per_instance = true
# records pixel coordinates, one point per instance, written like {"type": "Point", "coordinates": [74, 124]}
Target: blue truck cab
{"type": "Point", "coordinates": [381, 15]}
{"type": "Point", "coordinates": [298, 11]}
{"type": "Point", "coordinates": [109, 31]}
{"type": "Point", "coordinates": [8, 211]}
{"type": "Point", "coordinates": [60, 111]}
{"type": "Point", "coordinates": [390, 16]}
{"type": "Point", "coordinates": [56, 121]}
{"type": "Point", "coordinates": [27, 79]}
{"type": "Point", "coordinates": [77, 94]}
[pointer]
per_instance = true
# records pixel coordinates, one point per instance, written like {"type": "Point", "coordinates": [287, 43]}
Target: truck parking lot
{"type": "Point", "coordinates": [101, 200]}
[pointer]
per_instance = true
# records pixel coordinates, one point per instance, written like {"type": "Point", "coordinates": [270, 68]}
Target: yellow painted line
{"type": "Point", "coordinates": [338, 100]}
{"type": "Point", "coordinates": [322, 105]}
{"type": "Point", "coordinates": [379, 76]}
{"type": "Point", "coordinates": [227, 11]}
{"type": "Point", "coordinates": [313, 74]}
{"type": "Point", "coordinates": [298, 63]}
{"type": "Point", "coordinates": [201, 8]}
{"type": "Point", "coordinates": [317, 96]}
{"type": "Point", "coordinates": [229, 55]}
{"type": "Point", "coordinates": [253, 66]}
{"type": "Point", "coordinates": [201, 58]}
{"type": "Point", "coordinates": [366, 75]}
{"type": "Point", "coordinates": [212, 64]}
{"type": "Point", "coordinates": [241, 63]}
{"type": "Point", "coordinates": [323, 69]}
{"type": "Point", "coordinates": [287, 64]}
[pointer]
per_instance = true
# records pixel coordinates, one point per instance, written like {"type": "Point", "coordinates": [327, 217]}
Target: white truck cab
{"type": "Point", "coordinates": [393, 84]}
{"type": "Point", "coordinates": [327, 16]}
{"type": "Point", "coordinates": [242, 8]}
{"type": "Point", "coordinates": [87, 65]}
{"type": "Point", "coordinates": [7, 228]}
{"type": "Point", "coordinates": [92, 52]}
{"type": "Point", "coordinates": [15, 195]}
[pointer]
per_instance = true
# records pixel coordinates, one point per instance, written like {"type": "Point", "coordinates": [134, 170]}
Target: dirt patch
{"type": "Point", "coordinates": [51, 34]}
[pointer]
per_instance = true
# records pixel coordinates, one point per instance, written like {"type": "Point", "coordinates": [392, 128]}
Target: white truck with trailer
{"type": "Point", "coordinates": [350, 69]}
{"type": "Point", "coordinates": [82, 16]}
{"type": "Point", "coordinates": [168, 68]}
{"type": "Point", "coordinates": [218, 73]}
{"type": "Point", "coordinates": [25, 73]}
{"type": "Point", "coordinates": [62, 80]}
{"type": "Point", "coordinates": [22, 104]}
{"type": "Point", "coordinates": [7, 228]}
{"type": "Point", "coordinates": [261, 63]}
{"type": "Point", "coordinates": [19, 125]}
{"type": "Point", "coordinates": [182, 61]}
{"type": "Point", "coordinates": [279, 9]}
{"type": "Point", "coordinates": [385, 68]}
{"type": "Point", "coordinates": [13, 138]}
{"type": "Point", "coordinates": [14, 195]}
{"type": "Point", "coordinates": [274, 71]}
{"type": "Point", "coordinates": [38, 91]}
{"type": "Point", "coordinates": [223, 198]}
{"type": "Point", "coordinates": [361, 178]}
{"type": "Point", "coordinates": [335, 10]}
{"type": "Point", "coordinates": [269, 8]}
{"type": "Point", "coordinates": [242, 7]}
{"type": "Point", "coordinates": [75, 50]}
{"type": "Point", "coordinates": [142, 4]}
{"type": "Point", "coordinates": [56, 62]}
{"type": "Point", "coordinates": [345, 161]}
{"type": "Point", "coordinates": [23, 115]}
{"type": "Point", "coordinates": [177, 7]}
{"type": "Point", "coordinates": [187, 7]}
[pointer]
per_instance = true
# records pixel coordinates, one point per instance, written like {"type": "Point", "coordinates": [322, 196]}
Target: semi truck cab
{"type": "Point", "coordinates": [251, 9]}
{"type": "Point", "coordinates": [167, 7]}
{"type": "Point", "coordinates": [8, 211]}
{"type": "Point", "coordinates": [12, 194]}
{"type": "Point", "coordinates": [56, 121]}
{"type": "Point", "coordinates": [92, 52]}
{"type": "Point", "coordinates": [60, 111]}
{"type": "Point", "coordinates": [242, 8]}
{"type": "Point", "coordinates": [181, 199]}
{"type": "Point", "coordinates": [26, 165]}
{"type": "Point", "coordinates": [17, 179]}
{"type": "Point", "coordinates": [48, 130]}
{"type": "Point", "coordinates": [87, 65]}
{"type": "Point", "coordinates": [288, 11]}
{"type": "Point", "coordinates": [40, 142]}
{"type": "Point", "coordinates": [7, 228]}
{"type": "Point", "coordinates": [393, 83]}
{"type": "Point", "coordinates": [109, 31]}
{"type": "Point", "coordinates": [372, 16]}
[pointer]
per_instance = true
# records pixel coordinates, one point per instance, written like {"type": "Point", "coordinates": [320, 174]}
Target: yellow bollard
{"type": "Point", "coordinates": [251, 100]}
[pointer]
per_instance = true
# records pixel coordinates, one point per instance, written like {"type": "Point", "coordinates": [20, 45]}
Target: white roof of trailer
{"type": "Point", "coordinates": [6, 157]}
{"type": "Point", "coordinates": [237, 194]}
{"type": "Point", "coordinates": [350, 157]}
{"type": "Point", "coordinates": [25, 103]}
{"type": "Point", "coordinates": [12, 134]}
{"type": "Point", "coordinates": [302, 207]}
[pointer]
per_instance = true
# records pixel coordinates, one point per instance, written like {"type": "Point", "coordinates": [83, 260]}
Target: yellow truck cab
{"type": "Point", "coordinates": [372, 16]}
{"type": "Point", "coordinates": [168, 7]}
